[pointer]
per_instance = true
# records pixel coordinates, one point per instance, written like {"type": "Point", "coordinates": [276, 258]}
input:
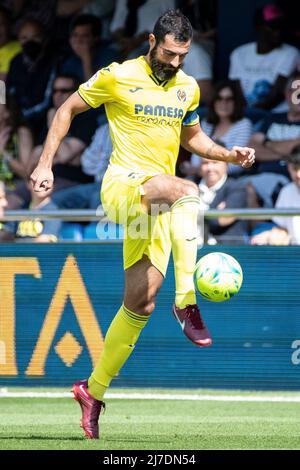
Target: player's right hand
{"type": "Point", "coordinates": [42, 180]}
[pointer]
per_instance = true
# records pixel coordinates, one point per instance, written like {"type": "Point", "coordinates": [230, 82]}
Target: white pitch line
{"type": "Point", "coordinates": [160, 396]}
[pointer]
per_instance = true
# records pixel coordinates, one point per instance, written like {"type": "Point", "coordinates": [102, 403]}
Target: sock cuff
{"type": "Point", "coordinates": [186, 200]}
{"type": "Point", "coordinates": [142, 319]}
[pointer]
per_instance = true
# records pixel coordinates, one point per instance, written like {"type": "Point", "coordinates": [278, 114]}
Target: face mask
{"type": "Point", "coordinates": [32, 49]}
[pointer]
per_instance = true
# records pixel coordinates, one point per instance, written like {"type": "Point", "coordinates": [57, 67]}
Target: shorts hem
{"type": "Point", "coordinates": [157, 265]}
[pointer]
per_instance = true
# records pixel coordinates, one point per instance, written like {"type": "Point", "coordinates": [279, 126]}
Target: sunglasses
{"type": "Point", "coordinates": [62, 90]}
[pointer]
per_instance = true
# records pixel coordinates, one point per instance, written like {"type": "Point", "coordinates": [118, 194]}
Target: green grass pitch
{"type": "Point", "coordinates": [53, 423]}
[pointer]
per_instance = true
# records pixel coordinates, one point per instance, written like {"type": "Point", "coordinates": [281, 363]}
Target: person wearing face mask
{"type": "Point", "coordinates": [31, 75]}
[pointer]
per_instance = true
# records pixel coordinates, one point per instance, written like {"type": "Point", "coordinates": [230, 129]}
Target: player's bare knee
{"type": "Point", "coordinates": [191, 189]}
{"type": "Point", "coordinates": [188, 189]}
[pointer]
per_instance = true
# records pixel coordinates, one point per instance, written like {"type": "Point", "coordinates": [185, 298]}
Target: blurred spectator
{"type": "Point", "coordinates": [94, 160]}
{"type": "Point", "coordinates": [43, 12]}
{"type": "Point", "coordinates": [132, 22]}
{"type": "Point", "coordinates": [67, 164]}
{"type": "Point", "coordinates": [198, 64]}
{"type": "Point", "coordinates": [262, 67]}
{"type": "Point", "coordinates": [287, 230]}
{"type": "Point", "coordinates": [8, 47]}
{"type": "Point", "coordinates": [225, 121]}
{"type": "Point", "coordinates": [31, 75]}
{"type": "Point", "coordinates": [70, 7]}
{"type": "Point", "coordinates": [15, 147]}
{"type": "Point", "coordinates": [218, 191]}
{"type": "Point", "coordinates": [34, 230]}
{"type": "Point", "coordinates": [88, 54]}
{"type": "Point", "coordinates": [100, 8]}
{"type": "Point", "coordinates": [104, 9]}
{"type": "Point", "coordinates": [199, 61]}
{"type": "Point", "coordinates": [267, 186]}
{"type": "Point", "coordinates": [203, 17]}
{"type": "Point", "coordinates": [279, 134]}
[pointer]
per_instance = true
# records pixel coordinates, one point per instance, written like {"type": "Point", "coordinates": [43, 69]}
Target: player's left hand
{"type": "Point", "coordinates": [243, 156]}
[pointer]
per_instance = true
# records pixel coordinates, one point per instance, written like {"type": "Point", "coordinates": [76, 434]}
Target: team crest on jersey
{"type": "Point", "coordinates": [91, 81]}
{"type": "Point", "coordinates": [181, 95]}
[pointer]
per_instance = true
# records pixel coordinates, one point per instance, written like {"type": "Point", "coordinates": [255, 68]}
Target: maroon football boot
{"type": "Point", "coordinates": [192, 324]}
{"type": "Point", "coordinates": [90, 407]}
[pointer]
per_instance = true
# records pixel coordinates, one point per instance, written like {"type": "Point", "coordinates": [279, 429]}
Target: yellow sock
{"type": "Point", "coordinates": [119, 343]}
{"type": "Point", "coordinates": [183, 229]}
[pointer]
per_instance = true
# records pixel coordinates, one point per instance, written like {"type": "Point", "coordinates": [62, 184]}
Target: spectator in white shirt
{"type": "Point", "coordinates": [262, 67]}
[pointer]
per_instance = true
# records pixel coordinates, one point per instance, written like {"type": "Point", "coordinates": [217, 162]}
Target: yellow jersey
{"type": "Point", "coordinates": [145, 116]}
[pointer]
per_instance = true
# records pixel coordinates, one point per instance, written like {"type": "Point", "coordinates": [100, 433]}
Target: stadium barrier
{"type": "Point", "coordinates": [92, 215]}
{"type": "Point", "coordinates": [57, 301]}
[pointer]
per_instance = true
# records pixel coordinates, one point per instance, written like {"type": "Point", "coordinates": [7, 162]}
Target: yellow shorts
{"type": "Point", "coordinates": [121, 193]}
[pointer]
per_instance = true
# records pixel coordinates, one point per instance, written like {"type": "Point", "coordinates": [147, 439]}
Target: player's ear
{"type": "Point", "coordinates": [152, 40]}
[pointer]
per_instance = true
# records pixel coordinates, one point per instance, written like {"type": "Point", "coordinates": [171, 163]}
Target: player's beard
{"type": "Point", "coordinates": [161, 70]}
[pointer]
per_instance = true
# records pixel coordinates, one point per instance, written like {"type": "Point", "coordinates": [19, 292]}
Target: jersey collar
{"type": "Point", "coordinates": [151, 74]}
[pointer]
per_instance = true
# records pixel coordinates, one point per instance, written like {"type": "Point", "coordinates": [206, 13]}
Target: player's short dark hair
{"type": "Point", "coordinates": [294, 156]}
{"type": "Point", "coordinates": [239, 102]}
{"type": "Point", "coordinates": [85, 19]}
{"type": "Point", "coordinates": [175, 23]}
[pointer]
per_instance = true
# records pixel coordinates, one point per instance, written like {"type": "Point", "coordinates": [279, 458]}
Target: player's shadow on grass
{"type": "Point", "coordinates": [43, 438]}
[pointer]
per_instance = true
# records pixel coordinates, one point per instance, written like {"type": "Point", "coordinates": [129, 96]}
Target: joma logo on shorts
{"type": "Point", "coordinates": [158, 110]}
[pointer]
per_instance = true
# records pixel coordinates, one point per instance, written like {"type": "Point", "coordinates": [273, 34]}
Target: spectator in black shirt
{"type": "Point", "coordinates": [279, 134]}
{"type": "Point", "coordinates": [31, 75]}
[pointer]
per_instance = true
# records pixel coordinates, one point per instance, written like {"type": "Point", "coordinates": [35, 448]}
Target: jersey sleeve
{"type": "Point", "coordinates": [191, 116]}
{"type": "Point", "coordinates": [100, 88]}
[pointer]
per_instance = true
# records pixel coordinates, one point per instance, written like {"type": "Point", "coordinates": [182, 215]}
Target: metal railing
{"type": "Point", "coordinates": [84, 215]}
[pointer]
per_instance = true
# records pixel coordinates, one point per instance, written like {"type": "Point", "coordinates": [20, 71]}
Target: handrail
{"type": "Point", "coordinates": [80, 215]}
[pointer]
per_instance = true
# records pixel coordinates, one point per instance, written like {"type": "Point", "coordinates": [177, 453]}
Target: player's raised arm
{"type": "Point", "coordinates": [196, 141]}
{"type": "Point", "coordinates": [42, 176]}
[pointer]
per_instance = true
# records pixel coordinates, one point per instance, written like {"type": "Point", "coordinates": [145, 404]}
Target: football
{"type": "Point", "coordinates": [218, 276]}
